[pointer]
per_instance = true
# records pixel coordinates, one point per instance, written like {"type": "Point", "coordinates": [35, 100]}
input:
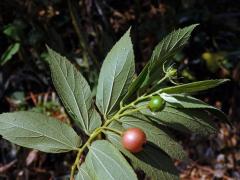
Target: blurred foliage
{"type": "Point", "coordinates": [84, 30]}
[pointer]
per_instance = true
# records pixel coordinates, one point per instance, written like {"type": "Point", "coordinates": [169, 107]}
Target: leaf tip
{"type": "Point", "coordinates": [48, 48]}
{"type": "Point", "coordinates": [191, 27]}
{"type": "Point", "coordinates": [129, 30]}
{"type": "Point", "coordinates": [195, 25]}
{"type": "Point", "coordinates": [226, 80]}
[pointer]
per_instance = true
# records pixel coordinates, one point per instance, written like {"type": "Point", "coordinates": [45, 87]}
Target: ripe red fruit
{"type": "Point", "coordinates": [133, 139]}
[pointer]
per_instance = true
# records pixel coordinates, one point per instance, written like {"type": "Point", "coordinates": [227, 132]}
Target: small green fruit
{"type": "Point", "coordinates": [156, 104]}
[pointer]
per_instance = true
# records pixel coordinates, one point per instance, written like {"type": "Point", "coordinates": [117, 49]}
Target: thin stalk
{"type": "Point", "coordinates": [80, 151]}
{"type": "Point", "coordinates": [113, 130]}
{"type": "Point", "coordinates": [159, 82]}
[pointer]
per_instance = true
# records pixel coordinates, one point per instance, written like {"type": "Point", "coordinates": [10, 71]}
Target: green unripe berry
{"type": "Point", "coordinates": [172, 72]}
{"type": "Point", "coordinates": [156, 104]}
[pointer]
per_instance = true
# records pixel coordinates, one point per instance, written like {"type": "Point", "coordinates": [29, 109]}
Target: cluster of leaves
{"type": "Point", "coordinates": [121, 103]}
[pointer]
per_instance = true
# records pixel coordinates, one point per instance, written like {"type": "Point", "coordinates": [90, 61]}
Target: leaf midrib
{"type": "Point", "coordinates": [112, 160]}
{"type": "Point", "coordinates": [75, 101]}
{"type": "Point", "coordinates": [101, 164]}
{"type": "Point", "coordinates": [124, 84]}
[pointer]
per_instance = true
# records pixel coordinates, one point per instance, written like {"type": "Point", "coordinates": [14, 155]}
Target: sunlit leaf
{"type": "Point", "coordinates": [38, 131]}
{"type": "Point", "coordinates": [116, 74]}
{"type": "Point", "coordinates": [74, 91]}
{"type": "Point", "coordinates": [166, 49]}
{"type": "Point", "coordinates": [84, 173]}
{"type": "Point", "coordinates": [154, 162]}
{"type": "Point", "coordinates": [108, 163]}
{"type": "Point", "coordinates": [194, 86]}
{"type": "Point", "coordinates": [161, 55]}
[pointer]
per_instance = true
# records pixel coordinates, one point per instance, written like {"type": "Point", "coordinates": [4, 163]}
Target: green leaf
{"type": "Point", "coordinates": [169, 98]}
{"type": "Point", "coordinates": [74, 92]}
{"type": "Point", "coordinates": [84, 173]}
{"type": "Point", "coordinates": [194, 87]}
{"type": "Point", "coordinates": [108, 163]}
{"type": "Point", "coordinates": [166, 49]}
{"type": "Point", "coordinates": [185, 120]}
{"type": "Point", "coordinates": [38, 131]}
{"type": "Point", "coordinates": [161, 55]}
{"type": "Point", "coordinates": [157, 135]}
{"type": "Point", "coordinates": [154, 162]}
{"type": "Point", "coordinates": [7, 55]}
{"type": "Point", "coordinates": [135, 85]}
{"type": "Point", "coordinates": [95, 120]}
{"type": "Point", "coordinates": [116, 74]}
{"type": "Point", "coordinates": [188, 102]}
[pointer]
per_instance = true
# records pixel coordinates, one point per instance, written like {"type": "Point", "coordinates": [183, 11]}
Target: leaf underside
{"type": "Point", "coordinates": [154, 162]}
{"type": "Point", "coordinates": [157, 135]}
{"type": "Point", "coordinates": [84, 173]}
{"type": "Point", "coordinates": [188, 102]}
{"type": "Point", "coordinates": [116, 75]}
{"type": "Point", "coordinates": [108, 163]}
{"type": "Point", "coordinates": [74, 92]}
{"type": "Point", "coordinates": [184, 120]}
{"type": "Point", "coordinates": [106, 160]}
{"type": "Point", "coordinates": [194, 86]}
{"type": "Point", "coordinates": [38, 131]}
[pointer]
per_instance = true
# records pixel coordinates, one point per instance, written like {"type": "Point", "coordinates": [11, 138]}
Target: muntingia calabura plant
{"type": "Point", "coordinates": [134, 116]}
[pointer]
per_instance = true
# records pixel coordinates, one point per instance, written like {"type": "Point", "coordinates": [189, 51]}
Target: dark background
{"type": "Point", "coordinates": [84, 31]}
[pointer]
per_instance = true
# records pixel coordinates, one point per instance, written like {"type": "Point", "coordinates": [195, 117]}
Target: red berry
{"type": "Point", "coordinates": [133, 139]}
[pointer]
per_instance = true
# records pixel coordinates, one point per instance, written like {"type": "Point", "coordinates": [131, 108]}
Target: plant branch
{"type": "Point", "coordinates": [122, 112]}
{"type": "Point", "coordinates": [80, 151]}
